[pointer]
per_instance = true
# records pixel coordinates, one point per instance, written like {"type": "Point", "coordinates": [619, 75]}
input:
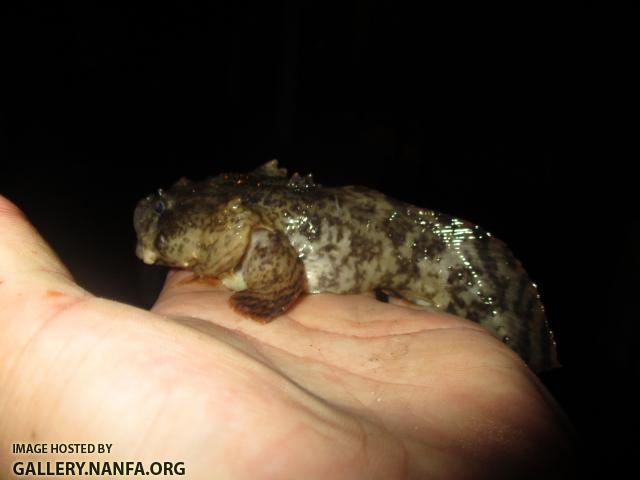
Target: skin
{"type": "Point", "coordinates": [340, 240]}
{"type": "Point", "coordinates": [341, 386]}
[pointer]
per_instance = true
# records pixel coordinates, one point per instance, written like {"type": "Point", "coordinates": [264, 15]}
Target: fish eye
{"type": "Point", "coordinates": [159, 207]}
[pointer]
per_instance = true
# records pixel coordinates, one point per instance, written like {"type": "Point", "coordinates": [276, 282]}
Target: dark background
{"type": "Point", "coordinates": [507, 117]}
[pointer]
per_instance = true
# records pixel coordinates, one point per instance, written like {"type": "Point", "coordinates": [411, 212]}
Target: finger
{"type": "Point", "coordinates": [364, 316]}
{"type": "Point", "coordinates": [184, 293]}
{"type": "Point", "coordinates": [181, 283]}
{"type": "Point", "coordinates": [186, 279]}
{"type": "Point", "coordinates": [354, 315]}
{"type": "Point", "coordinates": [22, 249]}
{"type": "Point", "coordinates": [358, 315]}
{"type": "Point", "coordinates": [24, 255]}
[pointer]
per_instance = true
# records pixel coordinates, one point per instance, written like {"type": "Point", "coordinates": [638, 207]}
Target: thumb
{"type": "Point", "coordinates": [34, 284]}
{"type": "Point", "coordinates": [25, 258]}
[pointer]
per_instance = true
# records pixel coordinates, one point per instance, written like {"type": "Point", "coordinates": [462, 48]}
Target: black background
{"type": "Point", "coordinates": [508, 117]}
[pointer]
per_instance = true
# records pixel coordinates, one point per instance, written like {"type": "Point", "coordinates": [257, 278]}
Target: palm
{"type": "Point", "coordinates": [340, 387]}
{"type": "Point", "coordinates": [367, 387]}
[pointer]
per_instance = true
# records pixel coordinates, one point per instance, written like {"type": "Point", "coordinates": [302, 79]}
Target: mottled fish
{"type": "Point", "coordinates": [271, 237]}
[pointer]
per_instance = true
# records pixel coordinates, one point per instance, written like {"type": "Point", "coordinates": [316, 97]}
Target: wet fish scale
{"type": "Point", "coordinates": [240, 227]}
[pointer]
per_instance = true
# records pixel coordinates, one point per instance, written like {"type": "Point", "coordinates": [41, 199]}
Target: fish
{"type": "Point", "coordinates": [271, 237]}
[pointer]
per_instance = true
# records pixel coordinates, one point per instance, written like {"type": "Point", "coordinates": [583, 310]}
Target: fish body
{"type": "Point", "coordinates": [271, 237]}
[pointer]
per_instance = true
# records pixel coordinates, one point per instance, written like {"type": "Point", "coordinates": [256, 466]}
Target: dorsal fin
{"type": "Point", "coordinates": [298, 181]}
{"type": "Point", "coordinates": [270, 169]}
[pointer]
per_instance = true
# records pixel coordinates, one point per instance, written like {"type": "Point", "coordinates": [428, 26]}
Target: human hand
{"type": "Point", "coordinates": [341, 387]}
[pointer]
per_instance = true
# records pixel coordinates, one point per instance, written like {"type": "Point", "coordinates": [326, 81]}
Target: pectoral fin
{"type": "Point", "coordinates": [274, 276]}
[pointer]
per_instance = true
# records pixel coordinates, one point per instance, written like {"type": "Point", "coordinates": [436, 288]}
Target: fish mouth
{"type": "Point", "coordinates": [146, 255]}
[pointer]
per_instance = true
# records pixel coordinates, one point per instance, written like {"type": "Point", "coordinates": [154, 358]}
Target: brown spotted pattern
{"type": "Point", "coordinates": [271, 237]}
{"type": "Point", "coordinates": [274, 277]}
